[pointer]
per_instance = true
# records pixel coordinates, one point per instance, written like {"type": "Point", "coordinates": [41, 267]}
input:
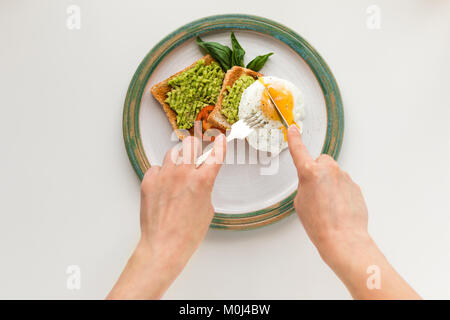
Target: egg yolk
{"type": "Point", "coordinates": [283, 99]}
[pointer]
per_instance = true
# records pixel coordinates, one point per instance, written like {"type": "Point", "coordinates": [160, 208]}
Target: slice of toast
{"type": "Point", "coordinates": [160, 90]}
{"type": "Point", "coordinates": [216, 119]}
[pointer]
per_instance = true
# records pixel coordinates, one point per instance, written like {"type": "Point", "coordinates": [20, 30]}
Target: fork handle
{"type": "Point", "coordinates": [205, 155]}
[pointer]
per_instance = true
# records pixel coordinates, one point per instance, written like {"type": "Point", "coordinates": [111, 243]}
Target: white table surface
{"type": "Point", "coordinates": [69, 196]}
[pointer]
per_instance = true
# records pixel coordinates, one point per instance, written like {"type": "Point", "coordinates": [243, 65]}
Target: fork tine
{"type": "Point", "coordinates": [258, 124]}
{"type": "Point", "coordinates": [255, 120]}
{"type": "Point", "coordinates": [251, 117]}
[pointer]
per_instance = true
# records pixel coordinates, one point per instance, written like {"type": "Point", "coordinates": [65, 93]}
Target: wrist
{"type": "Point", "coordinates": [144, 277]}
{"type": "Point", "coordinates": [164, 258]}
{"type": "Point", "coordinates": [341, 251]}
{"type": "Point", "coordinates": [158, 270]}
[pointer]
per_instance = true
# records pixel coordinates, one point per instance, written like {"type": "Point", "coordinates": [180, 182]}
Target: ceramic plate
{"type": "Point", "coordinates": [245, 196]}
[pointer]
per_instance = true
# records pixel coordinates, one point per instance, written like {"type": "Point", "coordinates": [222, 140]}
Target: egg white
{"type": "Point", "coordinates": [269, 138]}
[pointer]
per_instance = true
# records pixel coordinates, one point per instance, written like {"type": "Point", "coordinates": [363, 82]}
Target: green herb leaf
{"type": "Point", "coordinates": [257, 63]}
{"type": "Point", "coordinates": [237, 57]}
{"type": "Point", "coordinates": [219, 52]}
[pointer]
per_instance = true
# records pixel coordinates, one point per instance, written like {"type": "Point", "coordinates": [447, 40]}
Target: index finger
{"type": "Point", "coordinates": [214, 162]}
{"type": "Point", "coordinates": [297, 148]}
{"type": "Point", "coordinates": [191, 146]}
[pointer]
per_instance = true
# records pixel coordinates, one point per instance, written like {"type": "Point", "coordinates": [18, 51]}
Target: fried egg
{"type": "Point", "coordinates": [271, 137]}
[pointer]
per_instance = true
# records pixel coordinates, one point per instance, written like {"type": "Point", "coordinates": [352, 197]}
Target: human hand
{"type": "Point", "coordinates": [176, 212]}
{"type": "Point", "coordinates": [176, 208]}
{"type": "Point", "coordinates": [330, 205]}
{"type": "Point", "coordinates": [334, 214]}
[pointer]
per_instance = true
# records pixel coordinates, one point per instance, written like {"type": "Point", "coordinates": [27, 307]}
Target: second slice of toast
{"type": "Point", "coordinates": [216, 119]}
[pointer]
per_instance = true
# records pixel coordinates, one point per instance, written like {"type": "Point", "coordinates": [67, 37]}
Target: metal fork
{"type": "Point", "coordinates": [239, 130]}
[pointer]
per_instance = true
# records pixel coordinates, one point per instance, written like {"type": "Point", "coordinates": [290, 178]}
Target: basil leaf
{"type": "Point", "coordinates": [219, 52]}
{"type": "Point", "coordinates": [237, 57]}
{"type": "Point", "coordinates": [257, 63]}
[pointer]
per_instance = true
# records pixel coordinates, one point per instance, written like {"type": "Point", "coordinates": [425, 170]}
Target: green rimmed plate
{"type": "Point", "coordinates": [245, 196]}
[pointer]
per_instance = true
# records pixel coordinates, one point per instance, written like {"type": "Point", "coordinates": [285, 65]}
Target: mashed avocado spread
{"type": "Point", "coordinates": [193, 89]}
{"type": "Point", "coordinates": [232, 98]}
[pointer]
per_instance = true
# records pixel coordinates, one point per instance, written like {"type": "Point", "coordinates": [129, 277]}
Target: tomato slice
{"type": "Point", "coordinates": [203, 117]}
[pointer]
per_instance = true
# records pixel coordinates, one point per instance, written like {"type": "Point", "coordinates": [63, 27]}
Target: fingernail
{"type": "Point", "coordinates": [294, 129]}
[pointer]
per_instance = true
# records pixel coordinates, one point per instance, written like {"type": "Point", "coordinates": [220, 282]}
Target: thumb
{"type": "Point", "coordinates": [297, 148]}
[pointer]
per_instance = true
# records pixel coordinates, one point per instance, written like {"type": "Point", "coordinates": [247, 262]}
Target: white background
{"type": "Point", "coordinates": [69, 196]}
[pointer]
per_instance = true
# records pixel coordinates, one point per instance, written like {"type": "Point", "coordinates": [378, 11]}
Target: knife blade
{"type": "Point", "coordinates": [283, 120]}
